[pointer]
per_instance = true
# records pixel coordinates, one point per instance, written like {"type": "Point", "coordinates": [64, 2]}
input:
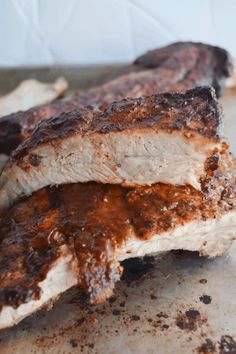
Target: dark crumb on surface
{"type": "Point", "coordinates": [135, 318]}
{"type": "Point", "coordinates": [81, 299]}
{"type": "Point", "coordinates": [112, 299]}
{"type": "Point", "coordinates": [189, 320]}
{"type": "Point", "coordinates": [193, 314]}
{"type": "Point", "coordinates": [80, 321]}
{"type": "Point", "coordinates": [125, 294]}
{"type": "Point", "coordinates": [122, 304]}
{"type": "Point", "coordinates": [91, 345]}
{"type": "Point", "coordinates": [208, 347]}
{"type": "Point", "coordinates": [180, 323]}
{"type": "Point", "coordinates": [164, 327]}
{"type": "Point", "coordinates": [203, 281]}
{"type": "Point", "coordinates": [162, 314]}
{"type": "Point", "coordinates": [206, 299]}
{"type": "Point", "coordinates": [116, 312]}
{"type": "Point", "coordinates": [227, 345]}
{"type": "Point", "coordinates": [153, 297]}
{"type": "Point", "coordinates": [182, 253]}
{"type": "Point", "coordinates": [157, 324]}
{"type": "Point", "coordinates": [135, 268]}
{"type": "Point", "coordinates": [73, 343]}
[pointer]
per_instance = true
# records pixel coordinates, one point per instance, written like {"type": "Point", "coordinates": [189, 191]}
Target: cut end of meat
{"type": "Point", "coordinates": [60, 277]}
{"type": "Point", "coordinates": [167, 138]}
{"type": "Point", "coordinates": [196, 111]}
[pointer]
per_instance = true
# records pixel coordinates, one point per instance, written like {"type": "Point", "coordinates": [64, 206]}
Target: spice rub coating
{"type": "Point", "coordinates": [177, 67]}
{"type": "Point", "coordinates": [196, 112]}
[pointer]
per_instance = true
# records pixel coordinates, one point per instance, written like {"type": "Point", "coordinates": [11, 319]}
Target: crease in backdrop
{"type": "Point", "coordinates": [47, 32]}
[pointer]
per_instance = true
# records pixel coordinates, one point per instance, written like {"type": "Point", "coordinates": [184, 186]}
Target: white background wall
{"type": "Point", "coordinates": [42, 32]}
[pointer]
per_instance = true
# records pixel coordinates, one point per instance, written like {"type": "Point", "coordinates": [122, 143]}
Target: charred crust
{"type": "Point", "coordinates": [16, 127]}
{"type": "Point", "coordinates": [212, 163]}
{"type": "Point", "coordinates": [10, 135]}
{"type": "Point", "coordinates": [177, 67]}
{"type": "Point", "coordinates": [216, 60]}
{"type": "Point", "coordinates": [195, 112]}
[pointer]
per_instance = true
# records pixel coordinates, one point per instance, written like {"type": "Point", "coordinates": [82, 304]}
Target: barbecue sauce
{"type": "Point", "coordinates": [93, 221]}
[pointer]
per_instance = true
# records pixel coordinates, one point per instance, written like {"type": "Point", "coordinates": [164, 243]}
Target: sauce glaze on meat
{"type": "Point", "coordinates": [93, 220]}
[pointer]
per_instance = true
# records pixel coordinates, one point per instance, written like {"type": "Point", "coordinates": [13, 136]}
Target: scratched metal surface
{"type": "Point", "coordinates": [174, 303]}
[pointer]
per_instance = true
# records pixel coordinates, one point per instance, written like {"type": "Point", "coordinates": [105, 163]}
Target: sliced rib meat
{"type": "Point", "coordinates": [169, 138]}
{"type": "Point", "coordinates": [177, 67]}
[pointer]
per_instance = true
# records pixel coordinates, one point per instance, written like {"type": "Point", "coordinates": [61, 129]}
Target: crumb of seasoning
{"type": "Point", "coordinates": [203, 281]}
{"type": "Point", "coordinates": [111, 300]}
{"type": "Point", "coordinates": [207, 347]}
{"type": "Point", "coordinates": [188, 320]}
{"type": "Point", "coordinates": [91, 345]}
{"type": "Point", "coordinates": [73, 343]}
{"type": "Point", "coordinates": [193, 314]}
{"type": "Point", "coordinates": [162, 314]}
{"type": "Point", "coordinates": [135, 318]}
{"type": "Point", "coordinates": [80, 321]}
{"type": "Point", "coordinates": [93, 319]}
{"type": "Point", "coordinates": [116, 312]}
{"type": "Point", "coordinates": [164, 327]}
{"type": "Point", "coordinates": [206, 299]}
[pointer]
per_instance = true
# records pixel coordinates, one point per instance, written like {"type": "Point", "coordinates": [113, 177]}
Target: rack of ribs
{"type": "Point", "coordinates": [133, 142]}
{"type": "Point", "coordinates": [177, 67]}
{"type": "Point", "coordinates": [166, 180]}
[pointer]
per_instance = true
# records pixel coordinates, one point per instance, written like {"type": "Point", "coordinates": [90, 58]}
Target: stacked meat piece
{"type": "Point", "coordinates": [135, 177]}
{"type": "Point", "coordinates": [177, 67]}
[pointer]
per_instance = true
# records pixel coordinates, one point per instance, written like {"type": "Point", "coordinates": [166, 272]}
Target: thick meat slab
{"type": "Point", "coordinates": [177, 67]}
{"type": "Point", "coordinates": [169, 138]}
{"type": "Point", "coordinates": [79, 233]}
{"type": "Point", "coordinates": [200, 62]}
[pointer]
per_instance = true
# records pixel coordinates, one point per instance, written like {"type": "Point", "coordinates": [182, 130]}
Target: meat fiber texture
{"type": "Point", "coordinates": [168, 138]}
